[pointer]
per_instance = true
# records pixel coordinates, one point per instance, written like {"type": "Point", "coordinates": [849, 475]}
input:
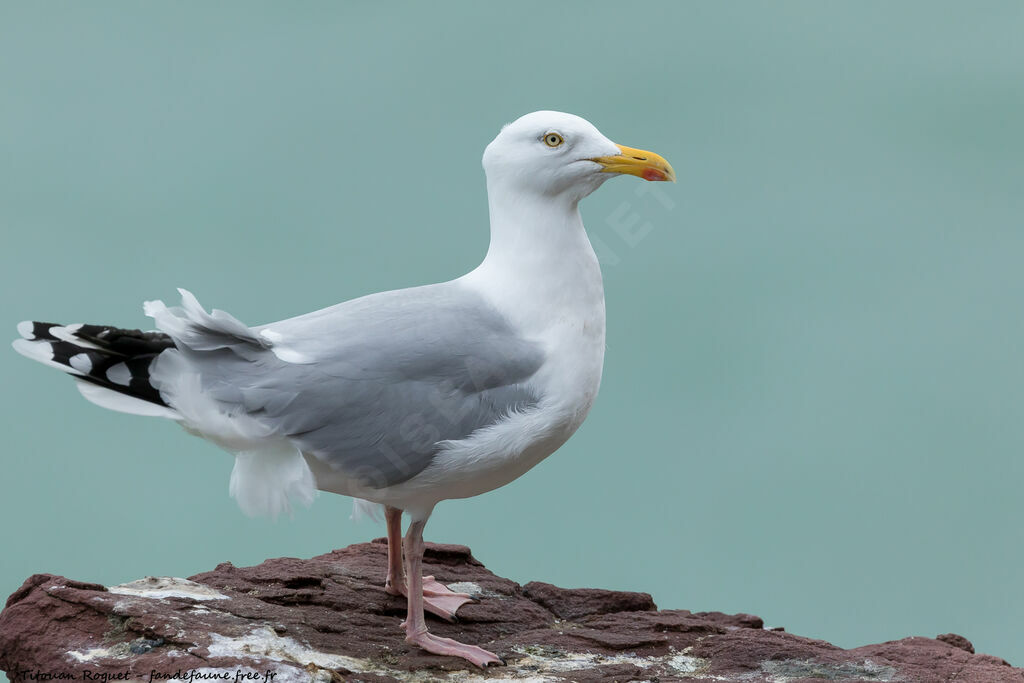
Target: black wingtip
{"type": "Point", "coordinates": [34, 330]}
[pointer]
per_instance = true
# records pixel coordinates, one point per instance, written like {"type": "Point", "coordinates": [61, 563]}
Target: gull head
{"type": "Point", "coordinates": [553, 153]}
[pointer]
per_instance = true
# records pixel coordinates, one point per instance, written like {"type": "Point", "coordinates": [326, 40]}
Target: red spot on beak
{"type": "Point", "coordinates": [654, 174]}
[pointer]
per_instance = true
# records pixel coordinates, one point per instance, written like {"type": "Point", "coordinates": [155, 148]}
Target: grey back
{"type": "Point", "coordinates": [380, 380]}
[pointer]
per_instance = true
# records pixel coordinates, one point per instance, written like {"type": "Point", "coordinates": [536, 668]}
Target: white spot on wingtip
{"type": "Point", "coordinates": [67, 333]}
{"type": "Point", "coordinates": [119, 374]}
{"type": "Point", "coordinates": [81, 362]}
{"type": "Point", "coordinates": [62, 333]}
{"type": "Point", "coordinates": [42, 352]}
{"type": "Point", "coordinates": [25, 329]}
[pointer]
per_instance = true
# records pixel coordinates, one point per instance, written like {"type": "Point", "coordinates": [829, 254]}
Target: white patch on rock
{"type": "Point", "coordinates": [90, 655]}
{"type": "Point", "coordinates": [553, 660]}
{"type": "Point", "coordinates": [685, 664]}
{"type": "Point", "coordinates": [120, 607]}
{"type": "Point", "coordinates": [265, 643]}
{"type": "Point", "coordinates": [473, 589]}
{"type": "Point", "coordinates": [689, 666]}
{"type": "Point", "coordinates": [543, 660]}
{"type": "Point", "coordinates": [116, 651]}
{"type": "Point", "coordinates": [158, 587]}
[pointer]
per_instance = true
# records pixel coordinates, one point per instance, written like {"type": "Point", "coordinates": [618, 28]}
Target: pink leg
{"type": "Point", "coordinates": [416, 625]}
{"type": "Point", "coordinates": [437, 599]}
{"type": "Point", "coordinates": [395, 583]}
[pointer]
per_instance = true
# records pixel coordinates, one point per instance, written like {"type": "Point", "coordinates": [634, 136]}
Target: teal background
{"type": "Point", "coordinates": [812, 407]}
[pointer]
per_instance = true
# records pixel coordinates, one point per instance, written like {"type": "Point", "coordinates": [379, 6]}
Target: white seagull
{"type": "Point", "coordinates": [402, 398]}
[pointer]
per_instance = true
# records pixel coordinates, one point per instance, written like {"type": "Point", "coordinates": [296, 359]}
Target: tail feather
{"type": "Point", "coordinates": [110, 364]}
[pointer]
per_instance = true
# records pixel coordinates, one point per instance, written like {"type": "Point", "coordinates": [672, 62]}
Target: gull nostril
{"type": "Point", "coordinates": [640, 158]}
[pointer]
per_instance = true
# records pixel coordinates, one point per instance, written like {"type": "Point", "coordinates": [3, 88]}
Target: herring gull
{"type": "Point", "coordinates": [402, 398]}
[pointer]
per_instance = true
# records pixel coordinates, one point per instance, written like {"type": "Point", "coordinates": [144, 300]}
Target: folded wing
{"type": "Point", "coordinates": [370, 387]}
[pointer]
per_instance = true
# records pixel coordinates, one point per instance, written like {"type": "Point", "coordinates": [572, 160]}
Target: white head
{"type": "Point", "coordinates": [553, 153]}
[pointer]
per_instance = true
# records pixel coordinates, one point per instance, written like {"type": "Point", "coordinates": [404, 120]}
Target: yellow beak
{"type": "Point", "coordinates": [643, 164]}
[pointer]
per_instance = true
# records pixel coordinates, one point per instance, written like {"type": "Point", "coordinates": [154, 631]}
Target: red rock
{"type": "Point", "coordinates": [581, 602]}
{"type": "Point", "coordinates": [328, 619]}
{"type": "Point", "coordinates": [956, 641]}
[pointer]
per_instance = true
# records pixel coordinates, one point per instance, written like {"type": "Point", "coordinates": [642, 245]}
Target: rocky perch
{"type": "Point", "coordinates": [329, 619]}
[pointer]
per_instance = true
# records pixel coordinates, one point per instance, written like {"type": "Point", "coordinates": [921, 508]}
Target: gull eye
{"type": "Point", "coordinates": [553, 140]}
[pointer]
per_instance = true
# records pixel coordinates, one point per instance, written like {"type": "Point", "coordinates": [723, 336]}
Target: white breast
{"type": "Point", "coordinates": [554, 297]}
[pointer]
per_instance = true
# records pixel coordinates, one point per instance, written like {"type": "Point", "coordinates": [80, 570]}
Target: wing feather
{"type": "Point", "coordinates": [383, 379]}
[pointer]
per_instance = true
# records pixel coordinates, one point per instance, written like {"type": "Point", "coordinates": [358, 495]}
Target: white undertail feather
{"type": "Point", "coordinates": [262, 482]}
{"type": "Point", "coordinates": [361, 509]}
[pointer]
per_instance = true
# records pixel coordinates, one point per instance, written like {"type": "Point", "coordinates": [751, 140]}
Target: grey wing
{"type": "Point", "coordinates": [382, 379]}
